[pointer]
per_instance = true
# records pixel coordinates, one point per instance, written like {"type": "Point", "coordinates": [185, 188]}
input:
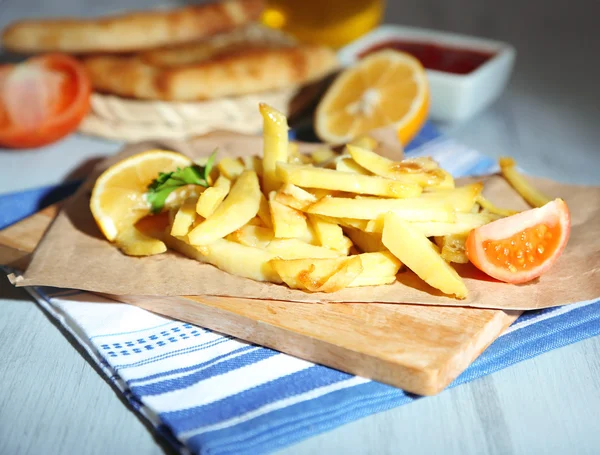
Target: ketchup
{"type": "Point", "coordinates": [437, 57]}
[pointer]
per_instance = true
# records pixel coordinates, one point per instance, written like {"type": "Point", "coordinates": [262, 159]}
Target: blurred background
{"type": "Point", "coordinates": [547, 116]}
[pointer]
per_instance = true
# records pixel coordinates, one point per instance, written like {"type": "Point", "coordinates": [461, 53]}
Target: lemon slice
{"type": "Point", "coordinates": [385, 88]}
{"type": "Point", "coordinates": [119, 196]}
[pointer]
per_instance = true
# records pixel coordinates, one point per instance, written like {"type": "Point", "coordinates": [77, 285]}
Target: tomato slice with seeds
{"type": "Point", "coordinates": [521, 247]}
{"type": "Point", "coordinates": [42, 100]}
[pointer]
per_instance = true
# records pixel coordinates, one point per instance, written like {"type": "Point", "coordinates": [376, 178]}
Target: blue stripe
{"type": "Point", "coordinates": [251, 399]}
{"type": "Point", "coordinates": [217, 369]}
{"type": "Point", "coordinates": [284, 426]}
{"type": "Point", "coordinates": [198, 347]}
{"type": "Point", "coordinates": [192, 367]}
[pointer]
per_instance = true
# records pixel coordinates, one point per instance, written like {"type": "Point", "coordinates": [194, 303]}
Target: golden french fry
{"type": "Point", "coordinates": [132, 242]}
{"type": "Point", "coordinates": [379, 263]}
{"type": "Point", "coordinates": [420, 255]}
{"type": "Point", "coordinates": [330, 235]}
{"type": "Point", "coordinates": [349, 165]}
{"type": "Point", "coordinates": [323, 154]}
{"type": "Point", "coordinates": [251, 235]}
{"type": "Point", "coordinates": [452, 248]}
{"type": "Point", "coordinates": [294, 197]}
{"type": "Point", "coordinates": [264, 212]}
{"type": "Point", "coordinates": [185, 217]}
{"type": "Point", "coordinates": [424, 173]}
{"type": "Point", "coordinates": [256, 221]}
{"type": "Point", "coordinates": [462, 199]}
{"type": "Point", "coordinates": [489, 206]}
{"type": "Point", "coordinates": [210, 199]}
{"type": "Point", "coordinates": [231, 168]}
{"type": "Point", "coordinates": [231, 257]}
{"type": "Point", "coordinates": [253, 163]}
{"type": "Point", "coordinates": [318, 275]}
{"type": "Point", "coordinates": [531, 195]}
{"type": "Point", "coordinates": [366, 142]}
{"type": "Point", "coordinates": [346, 222]}
{"type": "Point", "coordinates": [275, 134]}
{"type": "Point", "coordinates": [463, 223]}
{"type": "Point", "coordinates": [367, 242]}
{"type": "Point", "coordinates": [329, 179]}
{"type": "Point", "coordinates": [240, 206]}
{"type": "Point", "coordinates": [297, 249]}
{"type": "Point", "coordinates": [411, 209]}
{"type": "Point", "coordinates": [294, 155]}
{"type": "Point", "coordinates": [287, 222]}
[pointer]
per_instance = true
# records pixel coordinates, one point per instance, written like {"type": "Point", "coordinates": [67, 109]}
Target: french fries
{"type": "Point", "coordinates": [452, 248]}
{"type": "Point", "coordinates": [420, 255]}
{"type": "Point", "coordinates": [231, 168]}
{"type": "Point", "coordinates": [275, 145]}
{"type": "Point", "coordinates": [252, 235]}
{"type": "Point", "coordinates": [294, 197]}
{"type": "Point", "coordinates": [430, 174]}
{"type": "Point", "coordinates": [490, 207]}
{"type": "Point", "coordinates": [531, 195]}
{"type": "Point", "coordinates": [132, 242]}
{"type": "Point", "coordinates": [264, 212]}
{"type": "Point", "coordinates": [329, 179]}
{"type": "Point", "coordinates": [318, 275]}
{"type": "Point", "coordinates": [347, 164]}
{"type": "Point", "coordinates": [253, 163]}
{"type": "Point", "coordinates": [330, 235]}
{"type": "Point", "coordinates": [368, 242]}
{"type": "Point", "coordinates": [366, 142]}
{"type": "Point", "coordinates": [297, 249]}
{"type": "Point", "coordinates": [231, 257]}
{"type": "Point", "coordinates": [322, 155]}
{"type": "Point", "coordinates": [327, 221]}
{"type": "Point", "coordinates": [212, 197]}
{"type": "Point", "coordinates": [185, 217]}
{"type": "Point", "coordinates": [240, 206]}
{"type": "Point", "coordinates": [410, 209]}
{"type": "Point", "coordinates": [330, 275]}
{"type": "Point", "coordinates": [287, 221]}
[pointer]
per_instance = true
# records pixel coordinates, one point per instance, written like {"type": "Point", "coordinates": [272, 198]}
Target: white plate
{"type": "Point", "coordinates": [454, 97]}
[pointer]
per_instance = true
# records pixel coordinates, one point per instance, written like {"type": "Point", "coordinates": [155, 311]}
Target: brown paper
{"type": "Point", "coordinates": [73, 254]}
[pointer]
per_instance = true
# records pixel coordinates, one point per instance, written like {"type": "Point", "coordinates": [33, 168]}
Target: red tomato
{"type": "Point", "coordinates": [42, 100]}
{"type": "Point", "coordinates": [519, 248]}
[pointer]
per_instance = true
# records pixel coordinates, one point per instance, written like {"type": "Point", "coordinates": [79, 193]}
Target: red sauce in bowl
{"type": "Point", "coordinates": [437, 57]}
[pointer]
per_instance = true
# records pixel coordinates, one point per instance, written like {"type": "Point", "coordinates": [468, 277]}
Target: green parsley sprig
{"type": "Point", "coordinates": [167, 182]}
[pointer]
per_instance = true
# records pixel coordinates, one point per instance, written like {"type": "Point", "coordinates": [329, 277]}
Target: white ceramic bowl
{"type": "Point", "coordinates": [454, 97]}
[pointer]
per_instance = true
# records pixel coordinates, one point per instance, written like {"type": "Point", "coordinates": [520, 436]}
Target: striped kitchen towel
{"type": "Point", "coordinates": [207, 393]}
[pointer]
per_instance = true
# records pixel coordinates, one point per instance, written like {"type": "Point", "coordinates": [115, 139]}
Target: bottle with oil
{"type": "Point", "coordinates": [328, 22]}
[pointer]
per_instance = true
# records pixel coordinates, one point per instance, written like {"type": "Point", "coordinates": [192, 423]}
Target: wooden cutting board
{"type": "Point", "coordinates": [418, 348]}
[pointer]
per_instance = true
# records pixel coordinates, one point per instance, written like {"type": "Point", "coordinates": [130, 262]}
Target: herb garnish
{"type": "Point", "coordinates": [167, 182]}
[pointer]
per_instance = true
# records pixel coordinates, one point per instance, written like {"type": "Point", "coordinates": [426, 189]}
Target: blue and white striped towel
{"type": "Point", "coordinates": [207, 393]}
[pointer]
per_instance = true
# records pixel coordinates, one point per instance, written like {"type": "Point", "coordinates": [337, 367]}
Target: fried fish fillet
{"type": "Point", "coordinates": [192, 53]}
{"type": "Point", "coordinates": [245, 70]}
{"type": "Point", "coordinates": [130, 32]}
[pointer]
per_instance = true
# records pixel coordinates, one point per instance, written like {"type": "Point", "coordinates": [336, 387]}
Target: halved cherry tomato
{"type": "Point", "coordinates": [521, 247]}
{"type": "Point", "coordinates": [42, 100]}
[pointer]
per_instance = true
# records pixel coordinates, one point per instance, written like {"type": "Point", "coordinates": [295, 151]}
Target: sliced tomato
{"type": "Point", "coordinates": [42, 100]}
{"type": "Point", "coordinates": [521, 247]}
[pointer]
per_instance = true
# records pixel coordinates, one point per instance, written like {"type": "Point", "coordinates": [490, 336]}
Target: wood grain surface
{"type": "Point", "coordinates": [418, 348]}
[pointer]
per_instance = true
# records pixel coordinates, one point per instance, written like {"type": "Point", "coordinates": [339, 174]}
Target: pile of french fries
{"type": "Point", "coordinates": [331, 220]}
